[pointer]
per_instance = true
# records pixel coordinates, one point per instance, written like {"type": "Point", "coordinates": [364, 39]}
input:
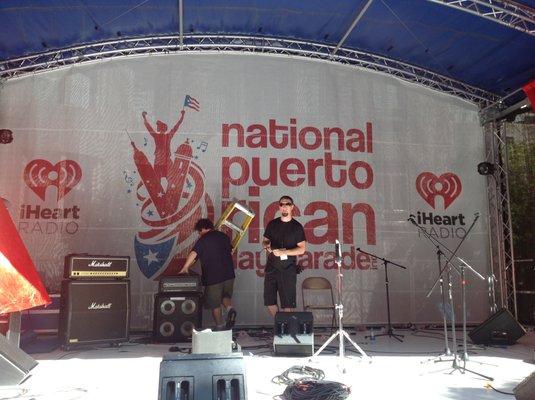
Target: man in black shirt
{"type": "Point", "coordinates": [284, 239]}
{"type": "Point", "coordinates": [215, 254]}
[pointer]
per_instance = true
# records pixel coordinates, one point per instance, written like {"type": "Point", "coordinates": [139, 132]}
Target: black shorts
{"type": "Point", "coordinates": [281, 282]}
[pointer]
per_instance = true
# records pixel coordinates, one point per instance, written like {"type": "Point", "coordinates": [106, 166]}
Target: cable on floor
{"type": "Point", "coordinates": [315, 390]}
{"type": "Point", "coordinates": [304, 372]}
{"type": "Point", "coordinates": [309, 385]}
{"type": "Point", "coordinates": [489, 386]}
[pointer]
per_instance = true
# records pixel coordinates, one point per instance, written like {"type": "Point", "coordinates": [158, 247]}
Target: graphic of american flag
{"type": "Point", "coordinates": [192, 103]}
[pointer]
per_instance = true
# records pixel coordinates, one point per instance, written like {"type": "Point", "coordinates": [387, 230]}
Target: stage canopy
{"type": "Point", "coordinates": [479, 50]}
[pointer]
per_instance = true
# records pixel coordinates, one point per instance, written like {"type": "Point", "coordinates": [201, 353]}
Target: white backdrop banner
{"type": "Point", "coordinates": [122, 157]}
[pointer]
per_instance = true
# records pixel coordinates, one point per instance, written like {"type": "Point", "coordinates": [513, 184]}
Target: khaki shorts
{"type": "Point", "coordinates": [214, 294]}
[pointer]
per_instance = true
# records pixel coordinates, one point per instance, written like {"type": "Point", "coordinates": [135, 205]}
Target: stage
{"type": "Point", "coordinates": [397, 370]}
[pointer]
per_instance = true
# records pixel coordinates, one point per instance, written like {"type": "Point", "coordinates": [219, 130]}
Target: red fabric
{"type": "Point", "coordinates": [529, 89]}
{"type": "Point", "coordinates": [20, 285]}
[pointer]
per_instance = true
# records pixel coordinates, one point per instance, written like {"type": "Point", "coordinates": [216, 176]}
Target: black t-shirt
{"type": "Point", "coordinates": [214, 251]}
{"type": "Point", "coordinates": [283, 235]}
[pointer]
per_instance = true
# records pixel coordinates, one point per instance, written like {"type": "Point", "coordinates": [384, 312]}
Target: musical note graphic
{"type": "Point", "coordinates": [203, 146]}
{"type": "Point", "coordinates": [129, 180]}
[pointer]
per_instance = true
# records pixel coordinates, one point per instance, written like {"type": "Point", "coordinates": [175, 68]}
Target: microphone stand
{"type": "Point", "coordinates": [390, 331]}
{"type": "Point", "coordinates": [447, 351]}
{"type": "Point", "coordinates": [447, 267]}
{"type": "Point", "coordinates": [341, 333]}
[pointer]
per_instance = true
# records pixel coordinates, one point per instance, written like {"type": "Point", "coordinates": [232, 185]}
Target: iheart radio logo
{"type": "Point", "coordinates": [447, 185]}
{"type": "Point", "coordinates": [40, 174]}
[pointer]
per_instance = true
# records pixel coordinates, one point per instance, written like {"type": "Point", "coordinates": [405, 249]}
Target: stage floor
{"type": "Point", "coordinates": [396, 371]}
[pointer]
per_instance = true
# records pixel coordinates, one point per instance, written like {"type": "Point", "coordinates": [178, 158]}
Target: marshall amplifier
{"type": "Point", "coordinates": [85, 266]}
{"type": "Point", "coordinates": [94, 312]}
{"type": "Point", "coordinates": [180, 283]}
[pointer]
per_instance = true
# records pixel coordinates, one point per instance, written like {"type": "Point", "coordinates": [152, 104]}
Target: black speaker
{"type": "Point", "coordinates": [525, 276]}
{"type": "Point", "coordinates": [14, 363]}
{"type": "Point", "coordinates": [175, 316]}
{"type": "Point", "coordinates": [499, 328]}
{"type": "Point", "coordinates": [93, 312]}
{"type": "Point", "coordinates": [202, 376]}
{"type": "Point", "coordinates": [293, 334]}
{"type": "Point", "coordinates": [294, 323]}
{"type": "Point", "coordinates": [525, 390]}
{"type": "Point", "coordinates": [525, 305]}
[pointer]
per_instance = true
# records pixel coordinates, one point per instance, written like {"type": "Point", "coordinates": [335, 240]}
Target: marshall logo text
{"type": "Point", "coordinates": [99, 306]}
{"type": "Point", "coordinates": [99, 264]}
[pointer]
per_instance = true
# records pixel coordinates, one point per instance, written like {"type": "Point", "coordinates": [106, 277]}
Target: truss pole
{"type": "Point", "coordinates": [507, 223]}
{"type": "Point", "coordinates": [500, 224]}
{"type": "Point", "coordinates": [505, 12]}
{"type": "Point", "coordinates": [181, 23]}
{"type": "Point", "coordinates": [355, 22]}
{"type": "Point", "coordinates": [61, 58]}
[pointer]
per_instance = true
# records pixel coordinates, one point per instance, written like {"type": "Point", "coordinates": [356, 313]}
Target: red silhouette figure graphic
{"type": "Point", "coordinates": [178, 199]}
{"type": "Point", "coordinates": [162, 141]}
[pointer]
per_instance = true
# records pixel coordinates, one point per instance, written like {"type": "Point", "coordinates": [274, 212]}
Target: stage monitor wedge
{"type": "Point", "coordinates": [500, 328]}
{"type": "Point", "coordinates": [525, 390]}
{"type": "Point", "coordinates": [294, 334]}
{"type": "Point", "coordinates": [202, 377]}
{"type": "Point", "coordinates": [15, 364]}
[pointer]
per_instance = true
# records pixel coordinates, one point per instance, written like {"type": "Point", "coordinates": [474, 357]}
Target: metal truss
{"type": "Point", "coordinates": [243, 44]}
{"type": "Point", "coordinates": [504, 12]}
{"type": "Point", "coordinates": [500, 224]}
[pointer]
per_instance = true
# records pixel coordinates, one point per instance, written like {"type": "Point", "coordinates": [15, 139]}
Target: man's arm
{"type": "Point", "coordinates": [266, 244]}
{"type": "Point", "coordinates": [177, 125]}
{"type": "Point", "coordinates": [296, 251]}
{"type": "Point", "coordinates": [192, 256]}
{"type": "Point", "coordinates": [147, 125]}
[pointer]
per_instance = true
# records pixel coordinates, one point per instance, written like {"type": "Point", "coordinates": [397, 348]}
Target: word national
{"type": "Point", "coordinates": [259, 136]}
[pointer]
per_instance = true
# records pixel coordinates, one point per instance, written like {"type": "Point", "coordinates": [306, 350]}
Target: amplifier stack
{"type": "Point", "coordinates": [177, 308]}
{"type": "Point", "coordinates": [95, 300]}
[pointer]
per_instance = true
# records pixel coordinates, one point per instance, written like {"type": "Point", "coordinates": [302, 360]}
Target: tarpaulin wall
{"type": "Point", "coordinates": [358, 151]}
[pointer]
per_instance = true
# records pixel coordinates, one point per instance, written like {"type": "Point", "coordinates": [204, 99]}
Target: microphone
{"type": "Point", "coordinates": [338, 251]}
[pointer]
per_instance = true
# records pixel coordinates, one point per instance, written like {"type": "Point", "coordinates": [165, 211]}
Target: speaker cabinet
{"type": "Point", "coordinates": [14, 363]}
{"type": "Point", "coordinates": [499, 328]}
{"type": "Point", "coordinates": [175, 316]}
{"type": "Point", "coordinates": [203, 377]}
{"type": "Point", "coordinates": [94, 312]}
